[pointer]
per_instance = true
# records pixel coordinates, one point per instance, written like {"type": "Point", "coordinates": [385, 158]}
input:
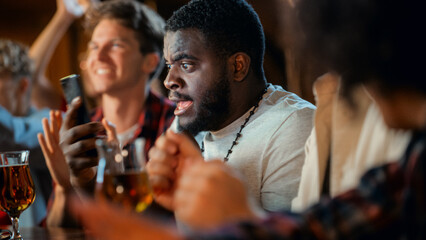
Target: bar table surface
{"type": "Point", "coordinates": [39, 233]}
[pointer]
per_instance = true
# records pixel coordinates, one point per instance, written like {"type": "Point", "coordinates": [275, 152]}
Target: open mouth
{"type": "Point", "coordinates": [183, 102]}
{"type": "Point", "coordinates": [103, 71]}
{"type": "Point", "coordinates": [182, 106]}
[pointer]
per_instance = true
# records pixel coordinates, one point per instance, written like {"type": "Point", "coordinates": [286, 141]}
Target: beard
{"type": "Point", "coordinates": [213, 108]}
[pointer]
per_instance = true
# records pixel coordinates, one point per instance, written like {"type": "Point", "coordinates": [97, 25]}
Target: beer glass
{"type": "Point", "coordinates": [17, 186]}
{"type": "Point", "coordinates": [121, 176]}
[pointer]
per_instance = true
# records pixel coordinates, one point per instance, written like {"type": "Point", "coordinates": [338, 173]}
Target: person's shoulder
{"type": "Point", "coordinates": [287, 101]}
{"type": "Point", "coordinates": [4, 113]}
{"type": "Point", "coordinates": [6, 119]}
{"type": "Point", "coordinates": [39, 113]}
{"type": "Point", "coordinates": [22, 124]}
{"type": "Point", "coordinates": [287, 111]}
{"type": "Point", "coordinates": [33, 115]}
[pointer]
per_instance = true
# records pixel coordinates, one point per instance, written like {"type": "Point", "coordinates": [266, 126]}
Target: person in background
{"type": "Point", "coordinates": [364, 43]}
{"type": "Point", "coordinates": [19, 122]}
{"type": "Point", "coordinates": [27, 95]}
{"type": "Point", "coordinates": [123, 57]}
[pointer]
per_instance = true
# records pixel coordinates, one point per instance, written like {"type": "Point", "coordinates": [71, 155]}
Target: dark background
{"type": "Point", "coordinates": [285, 65]}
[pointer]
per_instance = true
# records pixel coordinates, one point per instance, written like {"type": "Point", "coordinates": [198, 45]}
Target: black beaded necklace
{"type": "Point", "coordinates": [235, 142]}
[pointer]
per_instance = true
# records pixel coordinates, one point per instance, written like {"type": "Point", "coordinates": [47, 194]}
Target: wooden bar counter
{"type": "Point", "coordinates": [38, 233]}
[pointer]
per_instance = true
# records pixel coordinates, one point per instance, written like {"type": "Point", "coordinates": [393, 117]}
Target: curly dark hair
{"type": "Point", "coordinates": [228, 26]}
{"type": "Point", "coordinates": [368, 41]}
{"type": "Point", "coordinates": [147, 24]}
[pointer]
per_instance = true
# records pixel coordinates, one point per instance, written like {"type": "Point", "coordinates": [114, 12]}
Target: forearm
{"type": "Point", "coordinates": [44, 46]}
{"type": "Point", "coordinates": [371, 209]}
{"type": "Point", "coordinates": [47, 95]}
{"type": "Point", "coordinates": [58, 214]}
{"type": "Point", "coordinates": [46, 92]}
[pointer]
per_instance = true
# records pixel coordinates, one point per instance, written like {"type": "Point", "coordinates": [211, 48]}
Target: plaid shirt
{"type": "Point", "coordinates": [389, 203]}
{"type": "Point", "coordinates": [153, 121]}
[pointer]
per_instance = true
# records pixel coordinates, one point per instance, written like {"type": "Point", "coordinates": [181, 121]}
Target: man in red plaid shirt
{"type": "Point", "coordinates": [124, 55]}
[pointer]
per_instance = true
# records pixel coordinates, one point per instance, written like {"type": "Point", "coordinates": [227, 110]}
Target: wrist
{"type": "Point", "coordinates": [84, 180]}
{"type": "Point", "coordinates": [61, 191]}
{"type": "Point", "coordinates": [250, 211]}
{"type": "Point", "coordinates": [63, 16]}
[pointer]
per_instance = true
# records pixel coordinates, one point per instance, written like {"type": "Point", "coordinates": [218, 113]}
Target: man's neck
{"type": "Point", "coordinates": [242, 99]}
{"type": "Point", "coordinates": [23, 110]}
{"type": "Point", "coordinates": [123, 109]}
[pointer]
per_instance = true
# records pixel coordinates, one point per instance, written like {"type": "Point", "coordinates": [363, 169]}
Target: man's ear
{"type": "Point", "coordinates": [150, 62]}
{"type": "Point", "coordinates": [240, 65]}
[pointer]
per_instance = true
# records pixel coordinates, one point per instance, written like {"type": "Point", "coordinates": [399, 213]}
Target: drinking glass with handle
{"type": "Point", "coordinates": [121, 176]}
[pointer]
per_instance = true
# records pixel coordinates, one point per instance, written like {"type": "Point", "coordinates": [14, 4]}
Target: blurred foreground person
{"type": "Point", "coordinates": [366, 44]}
{"type": "Point", "coordinates": [349, 138]}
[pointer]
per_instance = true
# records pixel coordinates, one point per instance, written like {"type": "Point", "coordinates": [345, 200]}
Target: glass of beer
{"type": "Point", "coordinates": [122, 177]}
{"type": "Point", "coordinates": [17, 186]}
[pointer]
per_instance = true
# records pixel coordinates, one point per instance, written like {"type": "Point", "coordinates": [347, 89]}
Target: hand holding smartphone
{"type": "Point", "coordinates": [72, 88]}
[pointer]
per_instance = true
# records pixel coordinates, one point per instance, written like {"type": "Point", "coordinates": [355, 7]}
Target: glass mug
{"type": "Point", "coordinates": [16, 186]}
{"type": "Point", "coordinates": [122, 177]}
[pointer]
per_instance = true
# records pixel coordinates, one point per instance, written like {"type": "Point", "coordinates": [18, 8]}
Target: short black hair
{"type": "Point", "coordinates": [147, 24]}
{"type": "Point", "coordinates": [228, 27]}
{"type": "Point", "coordinates": [368, 41]}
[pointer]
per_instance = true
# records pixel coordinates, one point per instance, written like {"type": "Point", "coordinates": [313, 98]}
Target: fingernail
{"type": "Point", "coordinates": [110, 124]}
{"type": "Point", "coordinates": [76, 100]}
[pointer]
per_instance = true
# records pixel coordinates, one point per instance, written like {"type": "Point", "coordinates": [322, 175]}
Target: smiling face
{"type": "Point", "coordinates": [198, 81]}
{"type": "Point", "coordinates": [114, 60]}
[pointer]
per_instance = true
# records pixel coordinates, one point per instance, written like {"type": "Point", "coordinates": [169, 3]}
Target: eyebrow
{"type": "Point", "coordinates": [125, 40]}
{"type": "Point", "coordinates": [183, 56]}
{"type": "Point", "coordinates": [120, 39]}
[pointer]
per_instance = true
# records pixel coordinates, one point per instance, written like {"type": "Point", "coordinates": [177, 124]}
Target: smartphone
{"type": "Point", "coordinates": [72, 88]}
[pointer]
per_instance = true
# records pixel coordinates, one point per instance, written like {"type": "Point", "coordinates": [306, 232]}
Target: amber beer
{"type": "Point", "coordinates": [17, 189]}
{"type": "Point", "coordinates": [130, 189]}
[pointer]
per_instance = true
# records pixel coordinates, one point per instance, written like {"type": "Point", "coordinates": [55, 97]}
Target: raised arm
{"type": "Point", "coordinates": [45, 91]}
